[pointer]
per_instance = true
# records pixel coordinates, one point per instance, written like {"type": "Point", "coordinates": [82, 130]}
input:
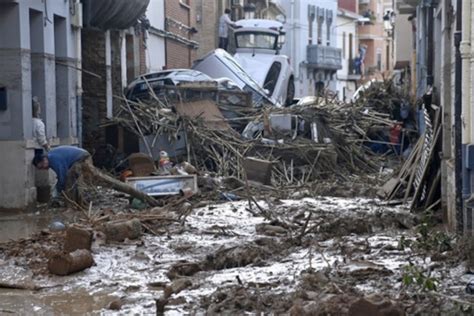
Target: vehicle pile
{"type": "Point", "coordinates": [314, 139]}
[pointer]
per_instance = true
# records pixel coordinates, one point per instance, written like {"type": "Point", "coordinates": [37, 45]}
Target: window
{"type": "Point", "coordinates": [256, 40]}
{"type": "Point", "coordinates": [343, 44]}
{"type": "Point", "coordinates": [328, 34]}
{"type": "Point", "coordinates": [351, 39]}
{"type": "Point", "coordinates": [3, 99]}
{"type": "Point", "coordinates": [379, 60]}
{"type": "Point", "coordinates": [328, 26]}
{"type": "Point", "coordinates": [320, 32]}
{"type": "Point", "coordinates": [272, 77]}
{"type": "Point", "coordinates": [320, 18]}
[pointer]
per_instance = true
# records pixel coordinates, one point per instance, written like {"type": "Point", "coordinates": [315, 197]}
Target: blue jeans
{"type": "Point", "coordinates": [223, 42]}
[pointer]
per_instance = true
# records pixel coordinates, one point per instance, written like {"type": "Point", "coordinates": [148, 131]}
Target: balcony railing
{"type": "Point", "coordinates": [324, 57]}
{"type": "Point", "coordinates": [354, 69]}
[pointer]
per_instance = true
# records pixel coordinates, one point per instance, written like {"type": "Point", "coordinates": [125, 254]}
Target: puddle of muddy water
{"type": "Point", "coordinates": [14, 226]}
{"type": "Point", "coordinates": [20, 302]}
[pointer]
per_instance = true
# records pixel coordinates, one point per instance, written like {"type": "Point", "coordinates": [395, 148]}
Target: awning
{"type": "Point", "coordinates": [112, 14]}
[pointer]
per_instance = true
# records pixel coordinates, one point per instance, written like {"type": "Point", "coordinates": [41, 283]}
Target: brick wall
{"type": "Point", "coordinates": [94, 97]}
{"type": "Point", "coordinates": [208, 13]}
{"type": "Point", "coordinates": [179, 55]}
{"type": "Point", "coordinates": [350, 5]}
{"type": "Point", "coordinates": [96, 139]}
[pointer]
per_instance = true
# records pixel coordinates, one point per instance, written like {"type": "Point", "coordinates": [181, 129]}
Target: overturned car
{"type": "Point", "coordinates": [257, 49]}
{"type": "Point", "coordinates": [220, 64]}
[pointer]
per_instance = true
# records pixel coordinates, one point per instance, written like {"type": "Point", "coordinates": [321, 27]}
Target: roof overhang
{"type": "Point", "coordinates": [113, 14]}
{"type": "Point", "coordinates": [348, 14]}
{"type": "Point", "coordinates": [407, 6]}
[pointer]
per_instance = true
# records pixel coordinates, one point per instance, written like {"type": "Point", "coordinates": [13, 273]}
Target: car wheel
{"type": "Point", "coordinates": [290, 92]}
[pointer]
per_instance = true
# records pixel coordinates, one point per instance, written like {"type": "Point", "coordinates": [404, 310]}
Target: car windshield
{"type": "Point", "coordinates": [237, 69]}
{"type": "Point", "coordinates": [256, 40]}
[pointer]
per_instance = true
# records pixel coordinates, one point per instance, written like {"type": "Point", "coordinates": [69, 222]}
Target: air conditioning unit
{"type": "Point", "coordinates": [237, 3]}
{"type": "Point", "coordinates": [76, 15]}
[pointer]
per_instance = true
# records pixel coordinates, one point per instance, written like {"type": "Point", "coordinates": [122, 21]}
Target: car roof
{"type": "Point", "coordinates": [260, 23]}
{"type": "Point", "coordinates": [172, 74]}
{"type": "Point", "coordinates": [175, 75]}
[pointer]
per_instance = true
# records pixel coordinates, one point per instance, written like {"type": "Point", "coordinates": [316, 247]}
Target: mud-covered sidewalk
{"type": "Point", "coordinates": [320, 255]}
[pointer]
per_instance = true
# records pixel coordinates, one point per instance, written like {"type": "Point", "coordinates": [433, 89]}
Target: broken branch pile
{"type": "Point", "coordinates": [314, 139]}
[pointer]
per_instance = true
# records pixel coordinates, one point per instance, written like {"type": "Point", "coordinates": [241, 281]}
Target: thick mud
{"type": "Point", "coordinates": [314, 256]}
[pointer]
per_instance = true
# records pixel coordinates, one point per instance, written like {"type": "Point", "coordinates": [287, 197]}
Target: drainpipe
{"type": "Point", "coordinates": [123, 59]}
{"type": "Point", "coordinates": [293, 38]}
{"type": "Point", "coordinates": [465, 51]}
{"type": "Point", "coordinates": [458, 111]}
{"type": "Point", "coordinates": [468, 171]}
{"type": "Point", "coordinates": [108, 74]}
{"type": "Point", "coordinates": [429, 57]}
{"type": "Point", "coordinates": [79, 90]}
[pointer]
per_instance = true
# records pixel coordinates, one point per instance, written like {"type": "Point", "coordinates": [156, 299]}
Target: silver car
{"type": "Point", "coordinates": [220, 64]}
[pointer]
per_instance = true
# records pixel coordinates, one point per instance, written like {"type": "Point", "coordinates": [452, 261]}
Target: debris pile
{"type": "Point", "coordinates": [316, 139]}
{"type": "Point", "coordinates": [419, 178]}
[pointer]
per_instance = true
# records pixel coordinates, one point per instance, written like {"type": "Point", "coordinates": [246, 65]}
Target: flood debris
{"type": "Point", "coordinates": [280, 217]}
{"type": "Point", "coordinates": [119, 231]}
{"type": "Point", "coordinates": [116, 305]}
{"type": "Point", "coordinates": [68, 263]}
{"type": "Point", "coordinates": [312, 140]}
{"type": "Point", "coordinates": [77, 238]}
{"type": "Point", "coordinates": [418, 179]}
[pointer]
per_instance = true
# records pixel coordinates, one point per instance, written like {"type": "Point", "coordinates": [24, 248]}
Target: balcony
{"type": "Point", "coordinates": [324, 57]}
{"type": "Point", "coordinates": [113, 14]}
{"type": "Point", "coordinates": [406, 6]}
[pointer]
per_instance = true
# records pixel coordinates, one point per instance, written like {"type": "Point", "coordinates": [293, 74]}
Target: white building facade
{"type": "Point", "coordinates": [347, 41]}
{"type": "Point", "coordinates": [312, 45]}
{"type": "Point", "coordinates": [155, 45]}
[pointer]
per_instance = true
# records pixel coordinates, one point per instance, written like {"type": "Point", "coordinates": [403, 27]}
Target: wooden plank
{"type": "Point", "coordinates": [258, 169]}
{"type": "Point", "coordinates": [432, 191]}
{"type": "Point", "coordinates": [388, 188]}
{"type": "Point", "coordinates": [206, 110]}
{"type": "Point", "coordinates": [425, 169]}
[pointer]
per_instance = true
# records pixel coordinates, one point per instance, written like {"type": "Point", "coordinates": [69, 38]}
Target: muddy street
{"type": "Point", "coordinates": [311, 254]}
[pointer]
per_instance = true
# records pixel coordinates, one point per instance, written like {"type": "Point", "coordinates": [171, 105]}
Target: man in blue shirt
{"type": "Point", "coordinates": [74, 169]}
{"type": "Point", "coordinates": [62, 159]}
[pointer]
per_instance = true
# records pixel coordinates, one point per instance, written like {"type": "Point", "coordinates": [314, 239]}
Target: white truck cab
{"type": "Point", "coordinates": [258, 43]}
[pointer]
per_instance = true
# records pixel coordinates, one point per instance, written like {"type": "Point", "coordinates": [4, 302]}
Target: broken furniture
{"type": "Point", "coordinates": [163, 185]}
